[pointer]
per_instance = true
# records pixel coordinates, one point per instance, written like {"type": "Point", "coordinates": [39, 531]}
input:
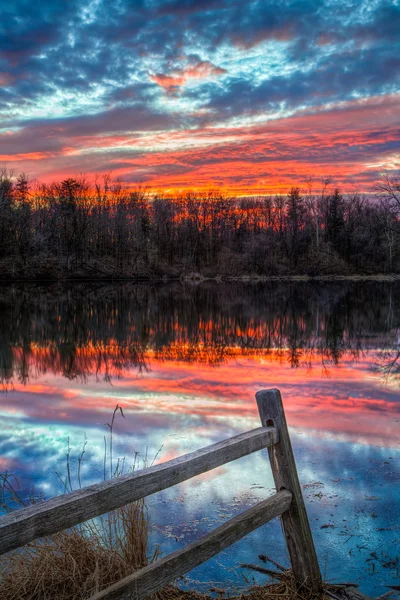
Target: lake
{"type": "Point", "coordinates": [184, 362]}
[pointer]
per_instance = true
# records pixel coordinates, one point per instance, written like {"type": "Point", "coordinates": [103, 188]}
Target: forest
{"type": "Point", "coordinates": [77, 229]}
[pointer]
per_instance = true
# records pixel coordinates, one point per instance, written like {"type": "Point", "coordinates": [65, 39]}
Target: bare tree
{"type": "Point", "coordinates": [389, 186]}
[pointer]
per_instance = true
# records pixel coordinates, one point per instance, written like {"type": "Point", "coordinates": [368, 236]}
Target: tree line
{"type": "Point", "coordinates": [74, 228]}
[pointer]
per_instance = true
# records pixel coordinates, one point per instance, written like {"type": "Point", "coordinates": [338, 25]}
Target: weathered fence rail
{"type": "Point", "coordinates": [46, 518]}
{"type": "Point", "coordinates": [23, 526]}
{"type": "Point", "coordinates": [155, 576]}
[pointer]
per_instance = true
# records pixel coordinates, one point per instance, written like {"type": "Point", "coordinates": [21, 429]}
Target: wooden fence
{"type": "Point", "coordinates": [46, 518]}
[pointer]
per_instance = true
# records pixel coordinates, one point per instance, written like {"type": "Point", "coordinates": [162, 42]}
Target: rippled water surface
{"type": "Point", "coordinates": [185, 363]}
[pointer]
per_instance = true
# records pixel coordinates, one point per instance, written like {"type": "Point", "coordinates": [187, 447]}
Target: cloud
{"type": "Point", "coordinates": [200, 70]}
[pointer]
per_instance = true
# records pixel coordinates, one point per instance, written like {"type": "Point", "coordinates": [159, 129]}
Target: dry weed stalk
{"type": "Point", "coordinates": [78, 562]}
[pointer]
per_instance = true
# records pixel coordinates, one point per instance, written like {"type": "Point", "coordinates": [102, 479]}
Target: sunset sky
{"type": "Point", "coordinates": [249, 96]}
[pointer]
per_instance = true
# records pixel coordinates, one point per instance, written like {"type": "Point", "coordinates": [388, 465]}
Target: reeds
{"type": "Point", "coordinates": [76, 563]}
{"type": "Point", "coordinates": [83, 560]}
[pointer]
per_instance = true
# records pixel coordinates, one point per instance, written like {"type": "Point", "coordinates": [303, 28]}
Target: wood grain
{"type": "Point", "coordinates": [295, 521]}
{"type": "Point", "coordinates": [43, 519]}
{"type": "Point", "coordinates": [154, 577]}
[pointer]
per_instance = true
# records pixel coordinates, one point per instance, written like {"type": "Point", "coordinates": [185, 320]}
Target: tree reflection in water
{"type": "Point", "coordinates": [82, 329]}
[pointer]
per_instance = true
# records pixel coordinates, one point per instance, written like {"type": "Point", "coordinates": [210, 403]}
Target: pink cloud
{"type": "Point", "coordinates": [201, 70]}
{"type": "Point", "coordinates": [25, 156]}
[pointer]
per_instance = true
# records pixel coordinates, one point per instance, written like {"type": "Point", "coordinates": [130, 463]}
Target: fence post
{"type": "Point", "coordinates": [295, 523]}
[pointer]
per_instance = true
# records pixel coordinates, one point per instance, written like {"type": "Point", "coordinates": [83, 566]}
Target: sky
{"type": "Point", "coordinates": [245, 96]}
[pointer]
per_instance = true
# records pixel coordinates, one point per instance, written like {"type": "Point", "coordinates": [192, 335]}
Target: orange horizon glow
{"type": "Point", "coordinates": [350, 142]}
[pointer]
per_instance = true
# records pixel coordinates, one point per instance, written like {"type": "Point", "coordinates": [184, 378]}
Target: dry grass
{"type": "Point", "coordinates": [79, 562]}
{"type": "Point", "coordinates": [75, 564]}
{"type": "Point", "coordinates": [283, 589]}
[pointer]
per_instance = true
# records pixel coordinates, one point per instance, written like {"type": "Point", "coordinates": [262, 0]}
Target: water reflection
{"type": "Point", "coordinates": [185, 362]}
{"type": "Point", "coordinates": [110, 329]}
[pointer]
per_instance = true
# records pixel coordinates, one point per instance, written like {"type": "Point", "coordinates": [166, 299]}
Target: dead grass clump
{"type": "Point", "coordinates": [77, 563]}
{"type": "Point", "coordinates": [83, 560]}
{"type": "Point", "coordinates": [284, 589]}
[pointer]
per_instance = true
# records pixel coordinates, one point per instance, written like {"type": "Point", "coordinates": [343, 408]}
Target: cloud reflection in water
{"type": "Point", "coordinates": [185, 364]}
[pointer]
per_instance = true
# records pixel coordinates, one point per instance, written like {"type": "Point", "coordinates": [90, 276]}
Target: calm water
{"type": "Point", "coordinates": [185, 363]}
